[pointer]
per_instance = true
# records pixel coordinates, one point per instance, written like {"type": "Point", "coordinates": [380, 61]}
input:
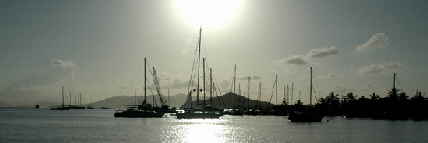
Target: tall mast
{"type": "Point", "coordinates": [145, 81]}
{"type": "Point", "coordinates": [153, 96]}
{"type": "Point", "coordinates": [234, 78]}
{"type": "Point", "coordinates": [310, 91]}
{"type": "Point", "coordinates": [393, 84]}
{"type": "Point", "coordinates": [62, 94]}
{"type": "Point", "coordinates": [276, 88]}
{"type": "Point", "coordinates": [292, 92]}
{"type": "Point", "coordinates": [215, 93]}
{"type": "Point", "coordinates": [284, 100]}
{"type": "Point", "coordinates": [199, 43]}
{"type": "Point", "coordinates": [260, 93]}
{"type": "Point", "coordinates": [153, 100]}
{"type": "Point", "coordinates": [288, 95]}
{"type": "Point", "coordinates": [69, 96]}
{"type": "Point", "coordinates": [248, 93]}
{"type": "Point", "coordinates": [239, 89]}
{"type": "Point", "coordinates": [240, 93]}
{"type": "Point", "coordinates": [199, 59]}
{"type": "Point", "coordinates": [211, 86]}
{"type": "Point", "coordinates": [203, 79]}
{"type": "Point", "coordinates": [168, 101]}
{"type": "Point", "coordinates": [135, 96]}
{"type": "Point", "coordinates": [80, 98]}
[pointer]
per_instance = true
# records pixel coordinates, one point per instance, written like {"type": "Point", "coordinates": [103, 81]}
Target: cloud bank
{"type": "Point", "coordinates": [37, 80]}
{"type": "Point", "coordinates": [323, 52]}
{"type": "Point", "coordinates": [312, 54]}
{"type": "Point", "coordinates": [63, 64]}
{"type": "Point", "coordinates": [295, 60]}
{"type": "Point", "coordinates": [379, 68]}
{"type": "Point", "coordinates": [328, 76]}
{"type": "Point", "coordinates": [378, 40]}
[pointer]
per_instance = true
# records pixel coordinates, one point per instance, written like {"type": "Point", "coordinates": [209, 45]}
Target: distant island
{"type": "Point", "coordinates": [228, 100]}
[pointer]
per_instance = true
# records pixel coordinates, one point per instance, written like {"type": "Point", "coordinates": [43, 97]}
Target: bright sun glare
{"type": "Point", "coordinates": [208, 12]}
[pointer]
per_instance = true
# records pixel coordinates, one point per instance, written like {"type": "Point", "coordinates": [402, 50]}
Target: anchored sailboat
{"type": "Point", "coordinates": [303, 113]}
{"type": "Point", "coordinates": [200, 110]}
{"type": "Point", "coordinates": [141, 111]}
{"type": "Point", "coordinates": [62, 107]}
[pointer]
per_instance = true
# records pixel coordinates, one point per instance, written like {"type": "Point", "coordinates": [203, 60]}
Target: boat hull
{"type": "Point", "coordinates": [202, 115]}
{"type": "Point", "coordinates": [60, 108]}
{"type": "Point", "coordinates": [305, 117]}
{"type": "Point", "coordinates": [138, 114]}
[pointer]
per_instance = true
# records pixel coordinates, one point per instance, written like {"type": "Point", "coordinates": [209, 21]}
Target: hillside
{"type": "Point", "coordinates": [232, 100]}
{"type": "Point", "coordinates": [228, 100]}
{"type": "Point", "coordinates": [118, 101]}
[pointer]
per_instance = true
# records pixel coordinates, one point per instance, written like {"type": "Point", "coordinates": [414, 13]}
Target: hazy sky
{"type": "Point", "coordinates": [97, 47]}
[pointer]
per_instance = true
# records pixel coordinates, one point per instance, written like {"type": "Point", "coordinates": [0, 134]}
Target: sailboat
{"type": "Point", "coordinates": [302, 113]}
{"type": "Point", "coordinates": [235, 108]}
{"type": "Point", "coordinates": [141, 111]}
{"type": "Point", "coordinates": [198, 111]}
{"type": "Point", "coordinates": [62, 107]}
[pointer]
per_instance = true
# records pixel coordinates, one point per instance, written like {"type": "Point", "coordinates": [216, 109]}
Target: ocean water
{"type": "Point", "coordinates": [92, 126]}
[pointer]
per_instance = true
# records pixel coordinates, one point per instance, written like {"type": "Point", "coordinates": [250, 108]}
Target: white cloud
{"type": "Point", "coordinates": [178, 84]}
{"type": "Point", "coordinates": [323, 52]}
{"type": "Point", "coordinates": [314, 53]}
{"type": "Point", "coordinates": [63, 64]}
{"type": "Point", "coordinates": [295, 60]}
{"type": "Point", "coordinates": [393, 66]}
{"type": "Point", "coordinates": [372, 69]}
{"type": "Point", "coordinates": [378, 40]}
{"type": "Point", "coordinates": [38, 80]}
{"type": "Point", "coordinates": [379, 68]}
{"type": "Point", "coordinates": [328, 76]}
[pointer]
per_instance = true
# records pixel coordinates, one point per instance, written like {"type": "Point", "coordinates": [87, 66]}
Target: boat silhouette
{"type": "Point", "coordinates": [305, 113]}
{"type": "Point", "coordinates": [140, 111]}
{"type": "Point", "coordinates": [200, 110]}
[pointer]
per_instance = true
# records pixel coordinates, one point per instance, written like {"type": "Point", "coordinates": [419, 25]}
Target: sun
{"type": "Point", "coordinates": [208, 12]}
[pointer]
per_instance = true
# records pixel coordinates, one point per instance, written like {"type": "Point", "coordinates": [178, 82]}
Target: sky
{"type": "Point", "coordinates": [97, 47]}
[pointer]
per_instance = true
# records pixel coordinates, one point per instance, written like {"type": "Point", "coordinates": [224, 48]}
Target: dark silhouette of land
{"type": "Point", "coordinates": [232, 100]}
{"type": "Point", "coordinates": [396, 105]}
{"type": "Point", "coordinates": [119, 101]}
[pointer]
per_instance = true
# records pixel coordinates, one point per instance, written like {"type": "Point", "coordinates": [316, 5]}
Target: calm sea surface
{"type": "Point", "coordinates": [91, 126]}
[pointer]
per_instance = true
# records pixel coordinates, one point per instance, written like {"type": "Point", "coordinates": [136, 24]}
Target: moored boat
{"type": "Point", "coordinates": [134, 112]}
{"type": "Point", "coordinates": [200, 110]}
{"type": "Point", "coordinates": [140, 111]}
{"type": "Point", "coordinates": [307, 113]}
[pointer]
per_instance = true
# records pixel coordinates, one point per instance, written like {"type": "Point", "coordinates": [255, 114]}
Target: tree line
{"type": "Point", "coordinates": [396, 105]}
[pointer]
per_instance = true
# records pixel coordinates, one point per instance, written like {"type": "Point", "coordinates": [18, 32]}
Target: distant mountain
{"type": "Point", "coordinates": [4, 104]}
{"type": "Point", "coordinates": [228, 100]}
{"type": "Point", "coordinates": [232, 100]}
{"type": "Point", "coordinates": [27, 101]}
{"type": "Point", "coordinates": [118, 101]}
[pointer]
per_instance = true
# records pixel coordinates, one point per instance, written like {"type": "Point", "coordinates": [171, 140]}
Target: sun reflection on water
{"type": "Point", "coordinates": [200, 131]}
{"type": "Point", "coordinates": [204, 133]}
